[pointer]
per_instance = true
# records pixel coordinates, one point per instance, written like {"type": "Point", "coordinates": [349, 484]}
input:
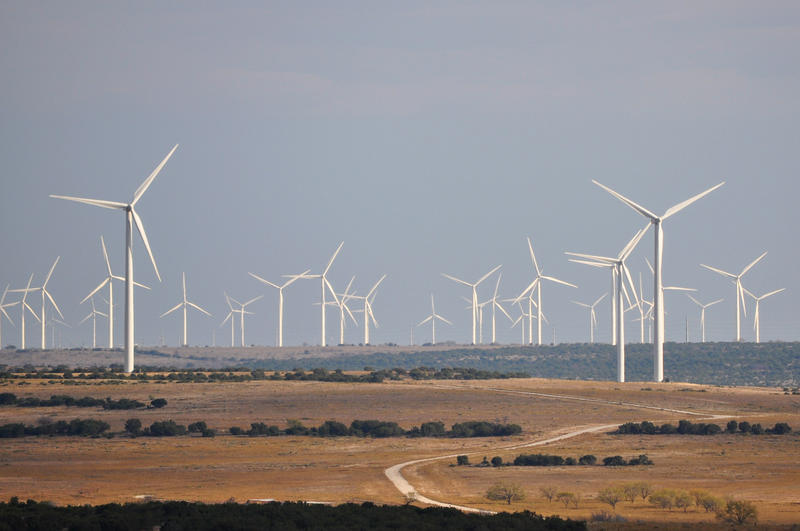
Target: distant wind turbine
{"type": "Point", "coordinates": [592, 315]}
{"type": "Point", "coordinates": [185, 304]}
{"type": "Point", "coordinates": [739, 290]}
{"type": "Point", "coordinates": [131, 218]}
{"type": "Point", "coordinates": [45, 297]}
{"type": "Point", "coordinates": [658, 302]}
{"type": "Point", "coordinates": [292, 278]}
{"type": "Point", "coordinates": [24, 306]}
{"type": "Point", "coordinates": [432, 318]}
{"type": "Point", "coordinates": [3, 306]}
{"type": "Point", "coordinates": [368, 315]}
{"type": "Point", "coordinates": [497, 306]}
{"type": "Point", "coordinates": [93, 316]}
{"type": "Point", "coordinates": [326, 286]}
{"type": "Point", "coordinates": [537, 285]}
{"type": "Point", "coordinates": [703, 315]}
{"type": "Point", "coordinates": [756, 319]}
{"type": "Point", "coordinates": [474, 287]}
{"type": "Point", "coordinates": [241, 311]}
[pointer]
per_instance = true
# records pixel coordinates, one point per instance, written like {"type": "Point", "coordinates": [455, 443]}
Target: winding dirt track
{"type": "Point", "coordinates": [394, 473]}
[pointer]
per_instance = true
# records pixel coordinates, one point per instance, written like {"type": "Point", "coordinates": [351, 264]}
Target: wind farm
{"type": "Point", "coordinates": [349, 182]}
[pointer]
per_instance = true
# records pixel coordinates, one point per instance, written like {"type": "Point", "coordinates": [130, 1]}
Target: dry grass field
{"type": "Point", "coordinates": [69, 470]}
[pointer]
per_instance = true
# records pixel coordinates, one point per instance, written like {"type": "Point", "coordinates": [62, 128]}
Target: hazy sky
{"type": "Point", "coordinates": [430, 137]}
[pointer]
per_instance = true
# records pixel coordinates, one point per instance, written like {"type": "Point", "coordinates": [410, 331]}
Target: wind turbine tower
{"type": "Point", "coordinates": [756, 320]}
{"type": "Point", "coordinates": [703, 308]}
{"type": "Point", "coordinates": [474, 297]}
{"type": "Point", "coordinates": [3, 306]}
{"type": "Point", "coordinates": [592, 315]}
{"type": "Point", "coordinates": [292, 278]}
{"type": "Point", "coordinates": [658, 299]}
{"type": "Point", "coordinates": [185, 304]}
{"type": "Point", "coordinates": [432, 318]}
{"type": "Point", "coordinates": [131, 218]}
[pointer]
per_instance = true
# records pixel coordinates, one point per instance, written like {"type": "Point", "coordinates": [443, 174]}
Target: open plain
{"type": "Point", "coordinates": [762, 469]}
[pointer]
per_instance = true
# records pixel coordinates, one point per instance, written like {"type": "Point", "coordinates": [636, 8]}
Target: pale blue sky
{"type": "Point", "coordinates": [429, 137]}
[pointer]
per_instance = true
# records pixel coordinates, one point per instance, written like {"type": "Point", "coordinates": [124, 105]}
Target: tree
{"type": "Point", "coordinates": [133, 426]}
{"type": "Point", "coordinates": [548, 492]}
{"type": "Point", "coordinates": [566, 498]}
{"type": "Point", "coordinates": [644, 489]}
{"type": "Point", "coordinates": [611, 496]}
{"type": "Point", "coordinates": [197, 427]}
{"type": "Point", "coordinates": [505, 491]}
{"type": "Point", "coordinates": [781, 428]}
{"type": "Point", "coordinates": [588, 459]}
{"type": "Point", "coordinates": [756, 429]}
{"type": "Point", "coordinates": [616, 460]}
{"type": "Point", "coordinates": [744, 427]}
{"type": "Point", "coordinates": [497, 461]}
{"type": "Point", "coordinates": [738, 511]}
{"type": "Point", "coordinates": [732, 426]}
{"type": "Point", "coordinates": [462, 460]}
{"type": "Point", "coordinates": [630, 491]}
{"type": "Point", "coordinates": [664, 498]}
{"type": "Point", "coordinates": [683, 500]}
{"type": "Point", "coordinates": [158, 403]}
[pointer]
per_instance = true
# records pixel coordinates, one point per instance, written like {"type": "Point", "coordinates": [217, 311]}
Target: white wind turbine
{"type": "Point", "coordinates": [368, 299]}
{"type": "Point", "coordinates": [185, 304]}
{"type": "Point", "coordinates": [131, 218]}
{"type": "Point", "coordinates": [592, 315]}
{"type": "Point", "coordinates": [241, 311]}
{"type": "Point", "coordinates": [3, 306]}
{"type": "Point", "coordinates": [496, 306]}
{"type": "Point", "coordinates": [432, 318]}
{"type": "Point", "coordinates": [658, 300]}
{"type": "Point", "coordinates": [326, 286]}
{"type": "Point", "coordinates": [292, 278]}
{"type": "Point", "coordinates": [739, 290]}
{"type": "Point", "coordinates": [703, 315]}
{"type": "Point", "coordinates": [24, 306]}
{"type": "Point", "coordinates": [93, 316]}
{"type": "Point", "coordinates": [45, 297]}
{"type": "Point", "coordinates": [756, 320]}
{"type": "Point", "coordinates": [110, 281]}
{"type": "Point", "coordinates": [474, 297]}
{"type": "Point", "coordinates": [623, 274]}
{"type": "Point", "coordinates": [537, 285]}
{"type": "Point", "coordinates": [229, 317]}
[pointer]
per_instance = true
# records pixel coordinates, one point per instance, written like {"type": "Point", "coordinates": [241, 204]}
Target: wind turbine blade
{"type": "Point", "coordinates": [554, 279]}
{"type": "Point", "coordinates": [487, 275]}
{"type": "Point", "coordinates": [603, 296]}
{"type": "Point", "coordinates": [684, 204]}
{"type": "Point", "coordinates": [349, 313]}
{"type": "Point", "coordinates": [294, 278]}
{"type": "Point", "coordinates": [593, 257]}
{"type": "Point", "coordinates": [50, 273]}
{"type": "Point", "coordinates": [330, 288]}
{"type": "Point", "coordinates": [231, 299]}
{"type": "Point", "coordinates": [593, 264]}
{"type": "Point", "coordinates": [105, 255]}
{"type": "Point", "coordinates": [3, 310]}
{"type": "Point", "coordinates": [713, 303]}
{"type": "Point", "coordinates": [425, 320]}
{"type": "Point", "coordinates": [227, 318]}
{"type": "Point", "coordinates": [741, 294]}
{"type": "Point", "coordinates": [497, 286]}
{"type": "Point", "coordinates": [254, 299]}
{"type": "Point", "coordinates": [754, 262]}
{"type": "Point", "coordinates": [198, 308]}
{"type": "Point", "coordinates": [638, 208]}
{"type": "Point", "coordinates": [143, 234]}
{"type": "Point", "coordinates": [650, 266]}
{"type": "Point", "coordinates": [456, 279]}
{"type": "Point", "coordinates": [533, 257]}
{"type": "Point", "coordinates": [581, 304]}
{"type": "Point", "coordinates": [500, 307]}
{"type": "Point", "coordinates": [86, 318]}
{"type": "Point", "coordinates": [114, 205]}
{"type": "Point", "coordinates": [330, 263]}
{"type": "Point", "coordinates": [374, 287]}
{"type": "Point", "coordinates": [677, 288]}
{"type": "Point", "coordinates": [695, 300]}
{"type": "Point", "coordinates": [95, 290]}
{"type": "Point", "coordinates": [172, 309]}
{"type": "Point", "coordinates": [53, 302]}
{"type": "Point", "coordinates": [139, 285]}
{"type": "Point", "coordinates": [631, 245]}
{"type": "Point", "coordinates": [443, 319]}
{"type": "Point", "coordinates": [183, 276]}
{"type": "Point", "coordinates": [771, 293]}
{"type": "Point", "coordinates": [267, 282]}
{"type": "Point", "coordinates": [146, 184]}
{"type": "Point", "coordinates": [28, 306]}
{"type": "Point", "coordinates": [526, 290]}
{"type": "Point", "coordinates": [720, 271]}
{"type": "Point", "coordinates": [630, 283]}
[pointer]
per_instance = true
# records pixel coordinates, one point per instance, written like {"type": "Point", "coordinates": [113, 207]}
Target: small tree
{"type": "Point", "coordinates": [548, 492]}
{"type": "Point", "coordinates": [756, 429]}
{"type": "Point", "coordinates": [133, 426]}
{"type": "Point", "coordinates": [744, 427]}
{"type": "Point", "coordinates": [611, 496]}
{"type": "Point", "coordinates": [505, 491]}
{"type": "Point", "coordinates": [630, 491]}
{"type": "Point", "coordinates": [616, 460]}
{"type": "Point", "coordinates": [683, 500]}
{"type": "Point", "coordinates": [197, 427]}
{"type": "Point", "coordinates": [712, 504]}
{"type": "Point", "coordinates": [462, 460]}
{"type": "Point", "coordinates": [732, 426]}
{"type": "Point", "coordinates": [738, 511]}
{"type": "Point", "coordinates": [566, 498]}
{"type": "Point", "coordinates": [158, 403]}
{"type": "Point", "coordinates": [587, 460]}
{"type": "Point", "coordinates": [644, 489]}
{"type": "Point", "coordinates": [664, 498]}
{"type": "Point", "coordinates": [497, 461]}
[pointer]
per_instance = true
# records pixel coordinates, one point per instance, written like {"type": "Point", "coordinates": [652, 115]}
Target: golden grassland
{"type": "Point", "coordinates": [69, 470]}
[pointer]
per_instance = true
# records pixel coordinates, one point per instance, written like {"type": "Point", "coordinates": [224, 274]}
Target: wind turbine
{"type": "Point", "coordinates": [326, 285]}
{"type": "Point", "coordinates": [109, 280]}
{"type": "Point", "coordinates": [537, 285]}
{"type": "Point", "coordinates": [131, 218]}
{"type": "Point", "coordinates": [292, 278]}
{"type": "Point", "coordinates": [241, 311]}
{"type": "Point", "coordinates": [703, 315]}
{"type": "Point", "coordinates": [3, 306]}
{"type": "Point", "coordinates": [592, 315]}
{"type": "Point", "coordinates": [756, 321]}
{"type": "Point", "coordinates": [93, 316]}
{"type": "Point", "coordinates": [658, 299]}
{"type": "Point", "coordinates": [497, 306]}
{"type": "Point", "coordinates": [739, 289]}
{"type": "Point", "coordinates": [25, 306]}
{"type": "Point", "coordinates": [45, 297]}
{"type": "Point", "coordinates": [229, 316]}
{"type": "Point", "coordinates": [368, 299]}
{"type": "Point", "coordinates": [185, 304]}
{"type": "Point", "coordinates": [432, 318]}
{"type": "Point", "coordinates": [623, 274]}
{"type": "Point", "coordinates": [474, 296]}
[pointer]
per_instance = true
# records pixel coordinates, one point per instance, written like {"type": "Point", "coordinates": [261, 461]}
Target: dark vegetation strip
{"type": "Point", "coordinates": [556, 460]}
{"type": "Point", "coordinates": [10, 399]}
{"type": "Point", "coordinates": [686, 427]}
{"type": "Point", "coordinates": [289, 516]}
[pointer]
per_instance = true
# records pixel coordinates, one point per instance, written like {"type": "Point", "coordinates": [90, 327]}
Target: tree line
{"type": "Point", "coordinates": [686, 427]}
{"type": "Point", "coordinates": [10, 399]}
{"type": "Point", "coordinates": [557, 460]}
